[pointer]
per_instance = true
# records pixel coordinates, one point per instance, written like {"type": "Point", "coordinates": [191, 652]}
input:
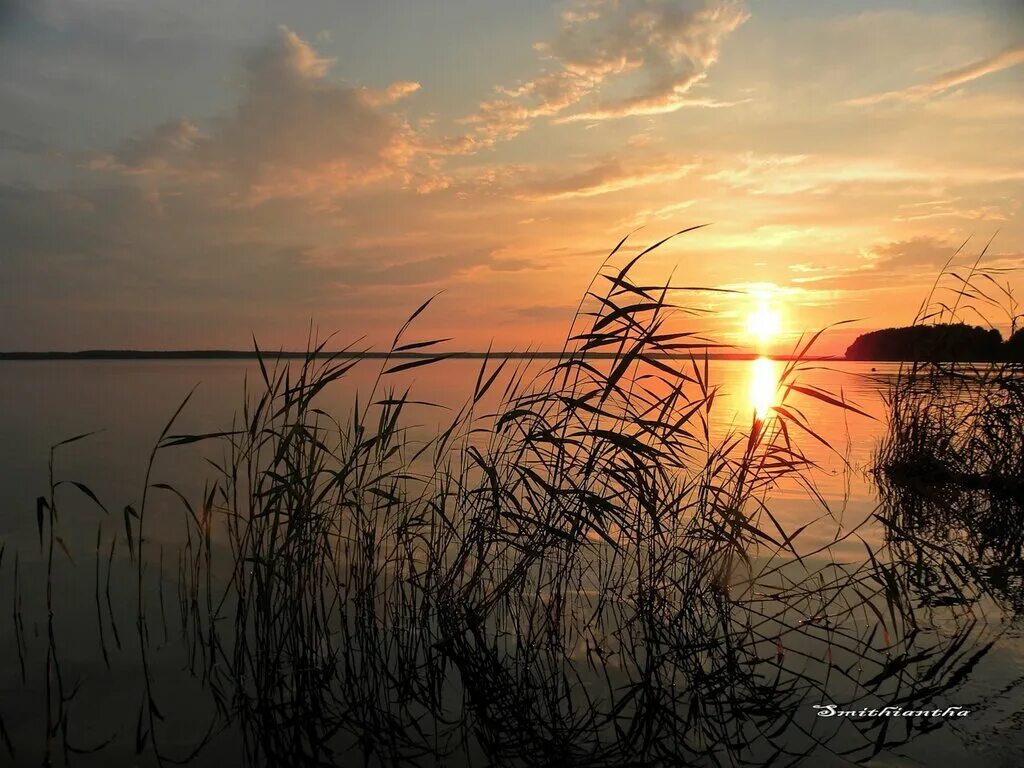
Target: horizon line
{"type": "Point", "coordinates": [236, 354]}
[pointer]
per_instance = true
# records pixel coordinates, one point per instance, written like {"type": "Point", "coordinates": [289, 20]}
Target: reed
{"type": "Point", "coordinates": [574, 570]}
{"type": "Point", "coordinates": [951, 462]}
{"type": "Point", "coordinates": [959, 423]}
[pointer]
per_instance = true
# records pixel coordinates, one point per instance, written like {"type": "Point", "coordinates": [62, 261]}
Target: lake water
{"type": "Point", "coordinates": [129, 402]}
{"type": "Point", "coordinates": [44, 402]}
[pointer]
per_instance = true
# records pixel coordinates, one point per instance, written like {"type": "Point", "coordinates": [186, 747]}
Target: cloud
{"type": "Point", "coordinates": [610, 175]}
{"type": "Point", "coordinates": [658, 106]}
{"type": "Point", "coordinates": [925, 251]}
{"type": "Point", "coordinates": [513, 110]}
{"type": "Point", "coordinates": [119, 265]}
{"type": "Point", "coordinates": [996, 209]}
{"type": "Point", "coordinates": [391, 94]}
{"type": "Point", "coordinates": [162, 150]}
{"type": "Point", "coordinates": [293, 132]}
{"type": "Point", "coordinates": [888, 265]}
{"type": "Point", "coordinates": [616, 58]}
{"type": "Point", "coordinates": [645, 216]}
{"type": "Point", "coordinates": [927, 254]}
{"type": "Point", "coordinates": [1010, 57]}
{"type": "Point", "coordinates": [795, 174]}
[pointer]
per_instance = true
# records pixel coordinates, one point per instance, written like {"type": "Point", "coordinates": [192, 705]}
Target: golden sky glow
{"type": "Point", "coordinates": [182, 176]}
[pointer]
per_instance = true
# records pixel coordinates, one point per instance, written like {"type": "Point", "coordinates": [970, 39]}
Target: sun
{"type": "Point", "coordinates": [765, 323]}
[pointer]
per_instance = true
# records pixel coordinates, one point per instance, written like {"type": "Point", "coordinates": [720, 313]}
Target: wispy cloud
{"type": "Point", "coordinates": [981, 210]}
{"type": "Point", "coordinates": [650, 53]}
{"type": "Point", "coordinates": [794, 174]}
{"type": "Point", "coordinates": [654, 106]}
{"type": "Point", "coordinates": [889, 264]}
{"type": "Point", "coordinates": [610, 175]}
{"type": "Point", "coordinates": [1010, 57]}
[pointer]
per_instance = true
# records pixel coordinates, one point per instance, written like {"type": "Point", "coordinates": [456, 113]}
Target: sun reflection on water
{"type": "Point", "coordinates": [764, 386]}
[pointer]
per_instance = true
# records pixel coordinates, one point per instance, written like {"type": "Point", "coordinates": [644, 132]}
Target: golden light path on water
{"type": "Point", "coordinates": [764, 386]}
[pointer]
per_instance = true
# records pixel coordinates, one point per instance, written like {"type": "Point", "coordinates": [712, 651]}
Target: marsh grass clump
{"type": "Point", "coordinates": [959, 424]}
{"type": "Point", "coordinates": [950, 467]}
{"type": "Point", "coordinates": [574, 569]}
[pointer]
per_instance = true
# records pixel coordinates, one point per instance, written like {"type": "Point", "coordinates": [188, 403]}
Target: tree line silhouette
{"type": "Point", "coordinates": [940, 342]}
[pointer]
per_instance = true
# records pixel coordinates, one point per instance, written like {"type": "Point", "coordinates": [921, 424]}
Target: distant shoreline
{"type": "Point", "coordinates": [230, 354]}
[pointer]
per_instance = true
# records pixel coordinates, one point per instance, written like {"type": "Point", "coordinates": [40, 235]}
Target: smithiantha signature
{"type": "Point", "coordinates": [831, 710]}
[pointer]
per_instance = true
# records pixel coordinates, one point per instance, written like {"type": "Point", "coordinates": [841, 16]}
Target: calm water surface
{"type": "Point", "coordinates": [43, 402]}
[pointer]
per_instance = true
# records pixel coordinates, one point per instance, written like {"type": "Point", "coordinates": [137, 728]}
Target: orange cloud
{"type": "Point", "coordinates": [978, 69]}
{"type": "Point", "coordinates": [611, 175]}
{"type": "Point", "coordinates": [659, 105]}
{"type": "Point", "coordinates": [651, 53]}
{"type": "Point", "coordinates": [794, 174]}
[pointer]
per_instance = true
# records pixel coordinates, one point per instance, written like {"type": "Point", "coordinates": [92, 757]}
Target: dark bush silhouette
{"type": "Point", "coordinates": [1015, 347]}
{"type": "Point", "coordinates": [943, 342]}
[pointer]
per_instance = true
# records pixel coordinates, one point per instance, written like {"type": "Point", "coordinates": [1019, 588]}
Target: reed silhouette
{"type": "Point", "coordinates": [574, 570]}
{"type": "Point", "coordinates": [959, 423]}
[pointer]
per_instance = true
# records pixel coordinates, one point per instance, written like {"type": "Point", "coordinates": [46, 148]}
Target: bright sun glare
{"type": "Point", "coordinates": [764, 323]}
{"type": "Point", "coordinates": [764, 386]}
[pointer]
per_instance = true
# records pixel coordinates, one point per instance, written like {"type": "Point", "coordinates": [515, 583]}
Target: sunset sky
{"type": "Point", "coordinates": [185, 174]}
